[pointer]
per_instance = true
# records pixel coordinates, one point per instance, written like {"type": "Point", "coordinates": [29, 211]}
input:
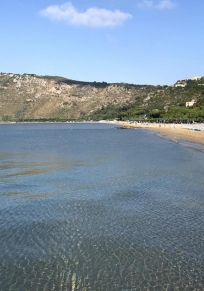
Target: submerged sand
{"type": "Point", "coordinates": [186, 132]}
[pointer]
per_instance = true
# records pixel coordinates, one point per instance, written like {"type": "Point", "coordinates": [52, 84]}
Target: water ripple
{"type": "Point", "coordinates": [99, 210]}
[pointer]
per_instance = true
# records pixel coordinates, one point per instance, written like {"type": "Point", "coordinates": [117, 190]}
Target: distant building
{"type": "Point", "coordinates": [190, 103]}
{"type": "Point", "coordinates": [181, 83]}
{"type": "Point", "coordinates": [196, 78]}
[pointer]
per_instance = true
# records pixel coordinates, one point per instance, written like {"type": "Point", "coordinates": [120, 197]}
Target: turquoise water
{"type": "Point", "coordinates": [94, 207]}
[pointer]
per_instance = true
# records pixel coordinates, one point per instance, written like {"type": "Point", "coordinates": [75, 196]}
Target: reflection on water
{"type": "Point", "coordinates": [91, 207]}
{"type": "Point", "coordinates": [28, 172]}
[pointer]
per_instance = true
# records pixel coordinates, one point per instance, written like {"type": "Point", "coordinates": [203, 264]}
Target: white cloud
{"type": "Point", "coordinates": [92, 17]}
{"type": "Point", "coordinates": [146, 4]}
{"type": "Point", "coordinates": [166, 5]}
{"type": "Point", "coordinates": [160, 5]}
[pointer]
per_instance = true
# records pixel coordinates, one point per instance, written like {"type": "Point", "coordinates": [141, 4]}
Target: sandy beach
{"type": "Point", "coordinates": [193, 133]}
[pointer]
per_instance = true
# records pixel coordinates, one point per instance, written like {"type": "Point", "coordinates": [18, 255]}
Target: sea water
{"type": "Point", "coordinates": [94, 207]}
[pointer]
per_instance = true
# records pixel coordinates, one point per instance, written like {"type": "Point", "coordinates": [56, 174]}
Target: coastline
{"type": "Point", "coordinates": [193, 133]}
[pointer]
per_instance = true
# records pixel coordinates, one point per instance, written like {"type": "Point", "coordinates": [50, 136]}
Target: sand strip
{"type": "Point", "coordinates": [193, 133]}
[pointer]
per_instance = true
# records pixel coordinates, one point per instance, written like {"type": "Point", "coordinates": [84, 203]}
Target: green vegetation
{"type": "Point", "coordinates": [163, 104]}
{"type": "Point", "coordinates": [48, 98]}
{"type": "Point", "coordinates": [61, 80]}
{"type": "Point", "coordinates": [173, 114]}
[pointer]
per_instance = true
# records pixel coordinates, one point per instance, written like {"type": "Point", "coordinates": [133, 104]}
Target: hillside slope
{"type": "Point", "coordinates": [32, 97]}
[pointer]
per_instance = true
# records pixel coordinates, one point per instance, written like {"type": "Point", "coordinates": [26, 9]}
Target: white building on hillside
{"type": "Point", "coordinates": [190, 103]}
{"type": "Point", "coordinates": [182, 84]}
{"type": "Point", "coordinates": [196, 78]}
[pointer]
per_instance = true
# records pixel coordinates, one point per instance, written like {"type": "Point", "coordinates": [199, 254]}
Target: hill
{"type": "Point", "coordinates": [31, 97]}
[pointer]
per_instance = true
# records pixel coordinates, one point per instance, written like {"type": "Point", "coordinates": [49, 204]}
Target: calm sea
{"type": "Point", "coordinates": [93, 207]}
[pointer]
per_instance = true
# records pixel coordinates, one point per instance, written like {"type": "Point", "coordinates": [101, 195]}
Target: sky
{"type": "Point", "coordinates": [133, 41]}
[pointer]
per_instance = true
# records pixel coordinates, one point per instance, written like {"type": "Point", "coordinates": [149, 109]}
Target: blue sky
{"type": "Point", "coordinates": [135, 41]}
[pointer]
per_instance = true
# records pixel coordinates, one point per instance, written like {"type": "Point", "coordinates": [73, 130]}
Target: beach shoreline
{"type": "Point", "coordinates": [193, 133]}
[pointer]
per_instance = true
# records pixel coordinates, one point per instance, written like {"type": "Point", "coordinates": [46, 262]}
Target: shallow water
{"type": "Point", "coordinates": [93, 207]}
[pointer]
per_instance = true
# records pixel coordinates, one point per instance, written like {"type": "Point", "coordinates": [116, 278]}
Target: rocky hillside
{"type": "Point", "coordinates": [32, 97]}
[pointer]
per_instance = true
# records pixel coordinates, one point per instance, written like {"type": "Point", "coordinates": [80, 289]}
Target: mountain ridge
{"type": "Point", "coordinates": [34, 97]}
